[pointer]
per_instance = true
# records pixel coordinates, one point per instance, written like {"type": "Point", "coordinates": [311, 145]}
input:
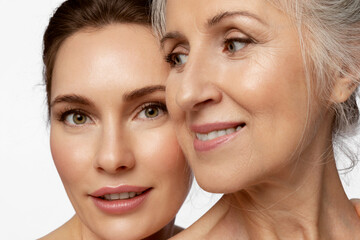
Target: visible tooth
{"type": "Point", "coordinates": [205, 137]}
{"type": "Point", "coordinates": [221, 133]}
{"type": "Point", "coordinates": [202, 137]}
{"type": "Point", "coordinates": [216, 134]}
{"type": "Point", "coordinates": [107, 197]}
{"type": "Point", "coordinates": [132, 194]}
{"type": "Point", "coordinates": [114, 196]}
{"type": "Point", "coordinates": [124, 195]}
{"type": "Point", "coordinates": [212, 135]}
{"type": "Point", "coordinates": [198, 136]}
{"type": "Point", "coordinates": [230, 130]}
{"type": "Point", "coordinates": [138, 193]}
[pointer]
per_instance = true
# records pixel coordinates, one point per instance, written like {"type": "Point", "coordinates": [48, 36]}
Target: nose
{"type": "Point", "coordinates": [114, 153]}
{"type": "Point", "coordinates": [197, 85]}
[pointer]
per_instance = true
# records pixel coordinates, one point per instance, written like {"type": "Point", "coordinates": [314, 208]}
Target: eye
{"type": "Point", "coordinates": [234, 45]}
{"type": "Point", "coordinates": [75, 118]}
{"type": "Point", "coordinates": [152, 111]}
{"type": "Point", "coordinates": [176, 59]}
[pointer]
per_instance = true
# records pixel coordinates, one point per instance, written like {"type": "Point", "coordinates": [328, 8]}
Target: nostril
{"type": "Point", "coordinates": [200, 104]}
{"type": "Point", "coordinates": [112, 170]}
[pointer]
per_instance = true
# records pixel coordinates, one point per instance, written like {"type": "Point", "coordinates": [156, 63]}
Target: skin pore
{"type": "Point", "coordinates": [237, 93]}
{"type": "Point", "coordinates": [110, 128]}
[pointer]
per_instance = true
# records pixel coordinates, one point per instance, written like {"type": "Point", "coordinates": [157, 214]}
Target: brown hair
{"type": "Point", "coordinates": [75, 15]}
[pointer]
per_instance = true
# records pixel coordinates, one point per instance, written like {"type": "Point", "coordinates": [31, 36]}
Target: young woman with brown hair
{"type": "Point", "coordinates": [111, 138]}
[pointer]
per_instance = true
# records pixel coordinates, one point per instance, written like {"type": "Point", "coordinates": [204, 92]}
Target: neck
{"type": "Point", "coordinates": [80, 231]}
{"type": "Point", "coordinates": [165, 233]}
{"type": "Point", "coordinates": [312, 205]}
{"type": "Point", "coordinates": [304, 200]}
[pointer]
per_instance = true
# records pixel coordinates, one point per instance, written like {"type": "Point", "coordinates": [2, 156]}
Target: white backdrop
{"type": "Point", "coordinates": [32, 199]}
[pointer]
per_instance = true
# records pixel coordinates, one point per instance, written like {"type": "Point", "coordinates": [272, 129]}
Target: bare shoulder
{"type": "Point", "coordinates": [197, 230]}
{"type": "Point", "coordinates": [54, 235]}
{"type": "Point", "coordinates": [186, 234]}
{"type": "Point", "coordinates": [67, 231]}
{"type": "Point", "coordinates": [203, 227]}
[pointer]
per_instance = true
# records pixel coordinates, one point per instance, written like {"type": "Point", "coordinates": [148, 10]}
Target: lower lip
{"type": "Point", "coordinates": [120, 206]}
{"type": "Point", "coordinates": [204, 146]}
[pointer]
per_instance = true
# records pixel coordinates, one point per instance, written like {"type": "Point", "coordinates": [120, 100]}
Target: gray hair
{"type": "Point", "coordinates": [329, 33]}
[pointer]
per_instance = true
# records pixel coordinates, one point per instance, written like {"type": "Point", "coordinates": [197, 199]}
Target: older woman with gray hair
{"type": "Point", "coordinates": [261, 91]}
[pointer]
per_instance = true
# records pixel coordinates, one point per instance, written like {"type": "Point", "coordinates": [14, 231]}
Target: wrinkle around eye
{"type": "Point", "coordinates": [177, 57]}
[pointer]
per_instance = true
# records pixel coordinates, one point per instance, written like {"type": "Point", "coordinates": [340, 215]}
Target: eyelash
{"type": "Point", "coordinates": [159, 105]}
{"type": "Point", "coordinates": [64, 114]}
{"type": "Point", "coordinates": [246, 41]}
{"type": "Point", "coordinates": [169, 58]}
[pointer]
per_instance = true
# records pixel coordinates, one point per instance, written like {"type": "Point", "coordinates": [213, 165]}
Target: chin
{"type": "Point", "coordinates": [117, 232]}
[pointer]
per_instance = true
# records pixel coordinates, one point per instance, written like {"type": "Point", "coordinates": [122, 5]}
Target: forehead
{"type": "Point", "coordinates": [199, 12]}
{"type": "Point", "coordinates": [120, 55]}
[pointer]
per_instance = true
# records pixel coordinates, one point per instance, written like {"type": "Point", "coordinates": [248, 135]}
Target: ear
{"type": "Point", "coordinates": [342, 90]}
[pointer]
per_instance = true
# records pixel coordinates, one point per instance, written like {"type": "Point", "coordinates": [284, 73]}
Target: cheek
{"type": "Point", "coordinates": [160, 152]}
{"type": "Point", "coordinates": [70, 155]}
{"type": "Point", "coordinates": [269, 85]}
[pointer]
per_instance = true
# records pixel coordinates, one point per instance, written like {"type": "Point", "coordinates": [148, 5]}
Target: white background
{"type": "Point", "coordinates": [32, 199]}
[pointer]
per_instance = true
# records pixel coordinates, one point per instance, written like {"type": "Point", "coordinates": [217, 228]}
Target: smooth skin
{"type": "Point", "coordinates": [110, 127]}
{"type": "Point", "coordinates": [239, 61]}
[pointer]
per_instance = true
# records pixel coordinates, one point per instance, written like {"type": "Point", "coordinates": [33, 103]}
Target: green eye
{"type": "Point", "coordinates": [79, 119]}
{"type": "Point", "coordinates": [76, 119]}
{"type": "Point", "coordinates": [151, 112]}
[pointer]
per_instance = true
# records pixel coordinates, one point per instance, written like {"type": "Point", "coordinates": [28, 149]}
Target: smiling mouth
{"type": "Point", "coordinates": [121, 196]}
{"type": "Point", "coordinates": [218, 133]}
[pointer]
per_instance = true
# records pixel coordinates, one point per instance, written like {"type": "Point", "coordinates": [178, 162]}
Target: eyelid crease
{"type": "Point", "coordinates": [181, 51]}
{"type": "Point", "coordinates": [211, 22]}
{"type": "Point", "coordinates": [171, 36]}
{"type": "Point", "coordinates": [235, 39]}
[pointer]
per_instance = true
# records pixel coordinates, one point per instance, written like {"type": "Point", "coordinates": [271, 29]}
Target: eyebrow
{"type": "Point", "coordinates": [138, 93]}
{"type": "Point", "coordinates": [71, 98]}
{"type": "Point", "coordinates": [77, 99]}
{"type": "Point", "coordinates": [212, 22]}
{"type": "Point", "coordinates": [223, 15]}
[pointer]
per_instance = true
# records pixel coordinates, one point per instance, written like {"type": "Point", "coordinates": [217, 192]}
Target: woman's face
{"type": "Point", "coordinates": [111, 138]}
{"type": "Point", "coordinates": [237, 91]}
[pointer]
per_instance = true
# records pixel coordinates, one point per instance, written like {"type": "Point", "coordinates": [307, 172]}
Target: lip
{"type": "Point", "coordinates": [204, 146]}
{"type": "Point", "coordinates": [209, 127]}
{"type": "Point", "coordinates": [119, 189]}
{"type": "Point", "coordinates": [120, 206]}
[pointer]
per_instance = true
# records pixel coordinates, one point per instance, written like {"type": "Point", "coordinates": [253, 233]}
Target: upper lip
{"type": "Point", "coordinates": [209, 127]}
{"type": "Point", "coordinates": [119, 189]}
